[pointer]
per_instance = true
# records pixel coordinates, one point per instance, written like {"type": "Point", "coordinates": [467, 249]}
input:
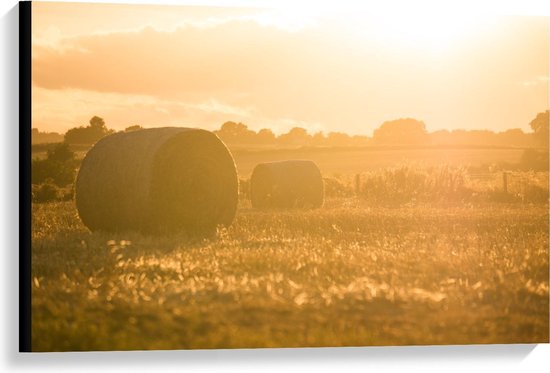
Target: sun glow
{"type": "Point", "coordinates": [427, 25]}
{"type": "Point", "coordinates": [430, 33]}
{"type": "Point", "coordinates": [322, 65]}
{"type": "Point", "coordinates": [424, 31]}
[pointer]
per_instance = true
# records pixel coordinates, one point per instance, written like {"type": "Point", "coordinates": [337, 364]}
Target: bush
{"type": "Point", "coordinates": [46, 192]}
{"type": "Point", "coordinates": [535, 194]}
{"type": "Point", "coordinates": [534, 160]}
{"type": "Point", "coordinates": [89, 134]}
{"type": "Point", "coordinates": [406, 184]}
{"type": "Point", "coordinates": [68, 193]}
{"type": "Point", "coordinates": [337, 188]}
{"type": "Point", "coordinates": [59, 166]}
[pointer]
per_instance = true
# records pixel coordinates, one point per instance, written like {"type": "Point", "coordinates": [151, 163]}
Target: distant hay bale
{"type": "Point", "coordinates": [157, 180]}
{"type": "Point", "coordinates": [286, 184]}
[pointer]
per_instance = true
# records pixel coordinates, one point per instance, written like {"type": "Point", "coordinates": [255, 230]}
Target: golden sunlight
{"type": "Point", "coordinates": [324, 67]}
{"type": "Point", "coordinates": [425, 32]}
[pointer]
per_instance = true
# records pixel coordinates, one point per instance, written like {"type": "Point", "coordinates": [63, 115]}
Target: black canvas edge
{"type": "Point", "coordinates": [25, 71]}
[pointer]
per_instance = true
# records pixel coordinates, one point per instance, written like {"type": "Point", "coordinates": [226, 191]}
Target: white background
{"type": "Point", "coordinates": [499, 358]}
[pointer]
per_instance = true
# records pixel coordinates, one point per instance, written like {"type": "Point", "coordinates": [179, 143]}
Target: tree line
{"type": "Point", "coordinates": [52, 177]}
{"type": "Point", "coordinates": [403, 131]}
{"type": "Point", "coordinates": [399, 132]}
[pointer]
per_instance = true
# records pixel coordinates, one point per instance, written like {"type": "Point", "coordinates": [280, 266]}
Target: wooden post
{"type": "Point", "coordinates": [357, 184]}
{"type": "Point", "coordinates": [505, 182]}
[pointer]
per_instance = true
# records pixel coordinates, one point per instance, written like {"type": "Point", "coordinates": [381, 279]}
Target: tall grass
{"type": "Point", "coordinates": [409, 184]}
{"type": "Point", "coordinates": [336, 276]}
{"type": "Point", "coordinates": [406, 184]}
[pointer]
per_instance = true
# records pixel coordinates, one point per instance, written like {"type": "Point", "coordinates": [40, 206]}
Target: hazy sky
{"type": "Point", "coordinates": [327, 70]}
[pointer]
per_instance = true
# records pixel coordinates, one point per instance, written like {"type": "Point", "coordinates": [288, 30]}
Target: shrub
{"type": "Point", "coordinates": [535, 194]}
{"type": "Point", "coordinates": [46, 192]}
{"type": "Point", "coordinates": [406, 184]}
{"type": "Point", "coordinates": [534, 160]}
{"type": "Point", "coordinates": [335, 187]}
{"type": "Point", "coordinates": [59, 166]}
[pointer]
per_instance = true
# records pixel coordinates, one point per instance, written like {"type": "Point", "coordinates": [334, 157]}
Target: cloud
{"type": "Point", "coordinates": [62, 109]}
{"type": "Point", "coordinates": [229, 56]}
{"type": "Point", "coordinates": [214, 105]}
{"type": "Point", "coordinates": [54, 22]}
{"type": "Point", "coordinates": [324, 76]}
{"type": "Point", "coordinates": [240, 63]}
{"type": "Point", "coordinates": [66, 108]}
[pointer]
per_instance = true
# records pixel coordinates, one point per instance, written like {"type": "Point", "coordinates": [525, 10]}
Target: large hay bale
{"type": "Point", "coordinates": [157, 180]}
{"type": "Point", "coordinates": [286, 184]}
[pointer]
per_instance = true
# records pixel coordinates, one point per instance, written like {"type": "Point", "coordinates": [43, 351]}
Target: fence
{"type": "Point", "coordinates": [516, 184]}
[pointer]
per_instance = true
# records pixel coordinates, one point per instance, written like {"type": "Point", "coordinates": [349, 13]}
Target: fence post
{"type": "Point", "coordinates": [505, 182]}
{"type": "Point", "coordinates": [357, 184]}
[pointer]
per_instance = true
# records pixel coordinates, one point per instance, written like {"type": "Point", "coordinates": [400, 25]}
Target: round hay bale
{"type": "Point", "coordinates": [286, 184]}
{"type": "Point", "coordinates": [157, 180]}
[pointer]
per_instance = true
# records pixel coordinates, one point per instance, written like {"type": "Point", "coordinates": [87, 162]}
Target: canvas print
{"type": "Point", "coordinates": [251, 177]}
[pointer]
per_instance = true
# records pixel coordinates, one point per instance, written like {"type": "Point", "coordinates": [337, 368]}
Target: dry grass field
{"type": "Point", "coordinates": [352, 160]}
{"type": "Point", "coordinates": [341, 276]}
{"type": "Point", "coordinates": [363, 159]}
{"type": "Point", "coordinates": [465, 267]}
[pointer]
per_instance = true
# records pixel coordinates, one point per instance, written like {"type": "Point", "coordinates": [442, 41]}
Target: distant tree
{"type": "Point", "coordinates": [512, 133]}
{"type": "Point", "coordinates": [89, 134]}
{"type": "Point", "coordinates": [135, 127]}
{"type": "Point", "coordinates": [475, 137]}
{"type": "Point", "coordinates": [441, 137]}
{"type": "Point", "coordinates": [296, 136]}
{"type": "Point", "coordinates": [97, 122]}
{"type": "Point", "coordinates": [540, 128]}
{"type": "Point", "coordinates": [59, 166]}
{"type": "Point", "coordinates": [265, 136]}
{"type": "Point", "coordinates": [38, 137]}
{"type": "Point", "coordinates": [405, 131]}
{"type": "Point", "coordinates": [236, 133]}
{"type": "Point", "coordinates": [233, 129]}
{"type": "Point", "coordinates": [459, 137]}
{"type": "Point", "coordinates": [338, 139]}
{"type": "Point", "coordinates": [359, 140]}
{"type": "Point", "coordinates": [514, 137]}
{"type": "Point", "coordinates": [319, 139]}
{"type": "Point", "coordinates": [60, 153]}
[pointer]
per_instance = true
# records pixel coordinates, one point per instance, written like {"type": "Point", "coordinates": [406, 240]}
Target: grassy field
{"type": "Point", "coordinates": [426, 251]}
{"type": "Point", "coordinates": [342, 161]}
{"type": "Point", "coordinates": [348, 160]}
{"type": "Point", "coordinates": [347, 274]}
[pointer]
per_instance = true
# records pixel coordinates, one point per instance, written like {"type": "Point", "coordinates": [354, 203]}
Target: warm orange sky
{"type": "Point", "coordinates": [324, 71]}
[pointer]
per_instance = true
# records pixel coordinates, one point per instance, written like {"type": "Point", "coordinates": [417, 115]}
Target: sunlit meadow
{"type": "Point", "coordinates": [359, 271]}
